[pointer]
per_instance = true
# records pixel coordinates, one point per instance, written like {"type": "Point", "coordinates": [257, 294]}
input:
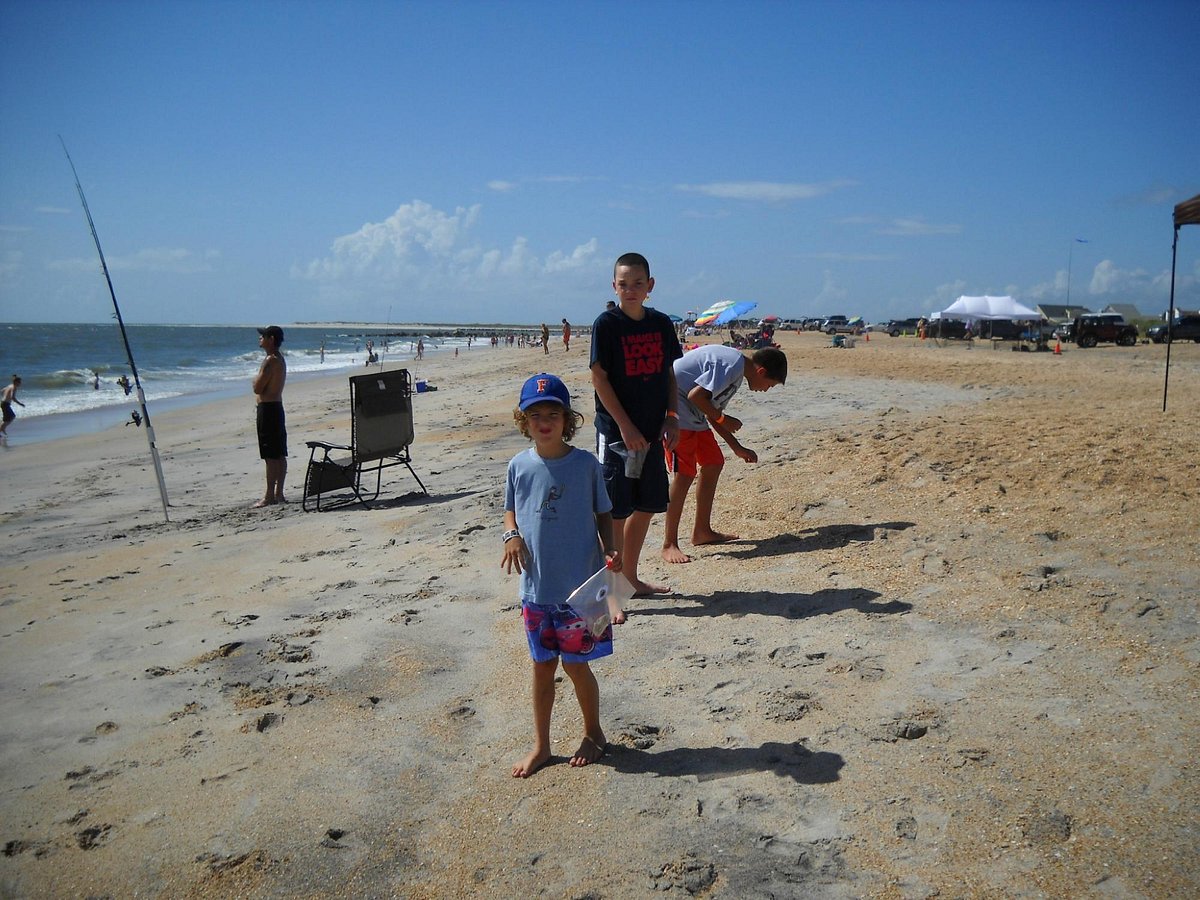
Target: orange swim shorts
{"type": "Point", "coordinates": [694, 448]}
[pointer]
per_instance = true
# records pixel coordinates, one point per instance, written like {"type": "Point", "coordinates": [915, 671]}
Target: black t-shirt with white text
{"type": "Point", "coordinates": [637, 356]}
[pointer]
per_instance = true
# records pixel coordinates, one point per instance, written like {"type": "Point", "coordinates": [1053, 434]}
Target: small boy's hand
{"type": "Point", "coordinates": [670, 433]}
{"type": "Point", "coordinates": [732, 424]}
{"type": "Point", "coordinates": [746, 454]}
{"type": "Point", "coordinates": [516, 555]}
{"type": "Point", "coordinates": [613, 560]}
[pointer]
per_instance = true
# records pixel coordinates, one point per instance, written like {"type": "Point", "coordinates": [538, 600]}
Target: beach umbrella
{"type": "Point", "coordinates": [770, 318]}
{"type": "Point", "coordinates": [706, 317]}
{"type": "Point", "coordinates": [725, 311]}
{"type": "Point", "coordinates": [736, 311]}
{"type": "Point", "coordinates": [674, 318]}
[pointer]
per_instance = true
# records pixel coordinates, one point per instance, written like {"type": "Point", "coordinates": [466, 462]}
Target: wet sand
{"type": "Point", "coordinates": [954, 652]}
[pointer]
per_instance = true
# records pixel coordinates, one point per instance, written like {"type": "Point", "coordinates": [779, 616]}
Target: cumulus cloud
{"type": "Point", "coordinates": [768, 191]}
{"type": "Point", "coordinates": [831, 293]}
{"type": "Point", "coordinates": [421, 247]}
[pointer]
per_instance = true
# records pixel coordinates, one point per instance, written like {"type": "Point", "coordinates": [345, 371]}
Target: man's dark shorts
{"type": "Point", "coordinates": [9, 415]}
{"type": "Point", "coordinates": [648, 493]}
{"type": "Point", "coordinates": [272, 435]}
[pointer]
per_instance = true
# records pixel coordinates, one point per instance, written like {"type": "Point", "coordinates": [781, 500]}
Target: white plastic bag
{"type": "Point", "coordinates": [599, 599]}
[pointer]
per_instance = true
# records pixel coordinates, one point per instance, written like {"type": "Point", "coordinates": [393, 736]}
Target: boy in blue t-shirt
{"type": "Point", "coordinates": [633, 349]}
{"type": "Point", "coordinates": [558, 532]}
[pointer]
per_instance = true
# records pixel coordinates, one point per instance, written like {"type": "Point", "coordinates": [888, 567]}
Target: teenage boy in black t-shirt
{"type": "Point", "coordinates": [633, 352]}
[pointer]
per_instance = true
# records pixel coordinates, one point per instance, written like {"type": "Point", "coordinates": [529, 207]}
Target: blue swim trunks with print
{"type": "Point", "coordinates": [558, 631]}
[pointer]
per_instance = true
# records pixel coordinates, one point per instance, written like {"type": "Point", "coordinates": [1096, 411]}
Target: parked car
{"type": "Point", "coordinates": [946, 328]}
{"type": "Point", "coordinates": [1185, 328]}
{"type": "Point", "coordinates": [1010, 329]}
{"type": "Point", "coordinates": [836, 324]}
{"type": "Point", "coordinates": [1064, 332]}
{"type": "Point", "coordinates": [901, 326]}
{"type": "Point", "coordinates": [1104, 327]}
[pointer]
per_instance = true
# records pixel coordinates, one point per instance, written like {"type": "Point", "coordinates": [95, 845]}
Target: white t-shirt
{"type": "Point", "coordinates": [719, 370]}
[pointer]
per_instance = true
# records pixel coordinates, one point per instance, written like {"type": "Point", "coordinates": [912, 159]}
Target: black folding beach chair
{"type": "Point", "coordinates": [381, 431]}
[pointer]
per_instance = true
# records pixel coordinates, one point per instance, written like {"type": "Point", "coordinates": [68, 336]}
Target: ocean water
{"type": "Point", "coordinates": [69, 373]}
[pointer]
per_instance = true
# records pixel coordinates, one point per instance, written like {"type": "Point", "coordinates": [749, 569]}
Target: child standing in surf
{"type": "Point", "coordinates": [558, 531]}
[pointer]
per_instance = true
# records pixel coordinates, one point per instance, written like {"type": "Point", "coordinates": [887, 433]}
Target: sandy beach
{"type": "Point", "coordinates": [954, 652]}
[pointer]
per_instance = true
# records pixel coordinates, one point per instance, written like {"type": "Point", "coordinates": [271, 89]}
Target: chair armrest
{"type": "Point", "coordinates": [324, 445]}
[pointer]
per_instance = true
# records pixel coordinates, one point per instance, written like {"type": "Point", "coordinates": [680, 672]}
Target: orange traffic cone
{"type": "Point", "coordinates": [1058, 348]}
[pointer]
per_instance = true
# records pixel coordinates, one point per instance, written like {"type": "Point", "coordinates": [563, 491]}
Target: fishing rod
{"type": "Point", "coordinates": [386, 329]}
{"type": "Point", "coordinates": [141, 395]}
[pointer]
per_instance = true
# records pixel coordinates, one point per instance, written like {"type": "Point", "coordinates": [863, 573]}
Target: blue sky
{"type": "Point", "coordinates": [265, 161]}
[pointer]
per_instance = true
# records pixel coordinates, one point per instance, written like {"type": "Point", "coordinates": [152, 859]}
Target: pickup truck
{"type": "Point", "coordinates": [1185, 328]}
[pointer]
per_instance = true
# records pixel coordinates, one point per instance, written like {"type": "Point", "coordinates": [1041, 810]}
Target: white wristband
{"type": "Point", "coordinates": [509, 535]}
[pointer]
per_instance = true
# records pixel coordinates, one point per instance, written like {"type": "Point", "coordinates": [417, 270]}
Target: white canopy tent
{"type": "Point", "coordinates": [970, 308]}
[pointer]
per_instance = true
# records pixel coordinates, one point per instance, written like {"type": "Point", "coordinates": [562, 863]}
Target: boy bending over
{"type": "Point", "coordinates": [707, 379]}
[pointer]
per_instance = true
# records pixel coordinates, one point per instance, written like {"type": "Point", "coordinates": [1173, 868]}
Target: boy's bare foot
{"type": "Point", "coordinates": [589, 751]}
{"type": "Point", "coordinates": [700, 538]}
{"type": "Point", "coordinates": [672, 554]}
{"type": "Point", "coordinates": [531, 764]}
{"type": "Point", "coordinates": [261, 503]}
{"type": "Point", "coordinates": [646, 589]}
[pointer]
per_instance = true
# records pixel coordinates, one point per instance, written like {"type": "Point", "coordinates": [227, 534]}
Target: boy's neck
{"type": "Point", "coordinates": [552, 451]}
{"type": "Point", "coordinates": [633, 309]}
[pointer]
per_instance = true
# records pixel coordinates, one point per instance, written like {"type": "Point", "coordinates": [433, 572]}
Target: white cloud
{"type": "Point", "coordinates": [913, 227]}
{"type": "Point", "coordinates": [945, 294]}
{"type": "Point", "coordinates": [502, 187]}
{"type": "Point", "coordinates": [831, 293]}
{"type": "Point", "coordinates": [769, 191]}
{"type": "Point", "coordinates": [1108, 278]}
{"type": "Point", "coordinates": [430, 250]}
{"type": "Point", "coordinates": [55, 210]}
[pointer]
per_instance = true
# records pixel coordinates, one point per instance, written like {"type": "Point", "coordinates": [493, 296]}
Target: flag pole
{"type": "Point", "coordinates": [1170, 319]}
{"type": "Point", "coordinates": [141, 396]}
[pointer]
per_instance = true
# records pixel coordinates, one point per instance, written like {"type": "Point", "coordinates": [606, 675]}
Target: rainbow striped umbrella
{"type": "Point", "coordinates": [725, 311]}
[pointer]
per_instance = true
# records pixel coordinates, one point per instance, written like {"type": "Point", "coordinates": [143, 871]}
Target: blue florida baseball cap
{"type": "Point", "coordinates": [544, 387]}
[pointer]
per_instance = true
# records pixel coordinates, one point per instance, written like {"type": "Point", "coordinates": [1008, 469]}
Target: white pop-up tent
{"type": "Point", "coordinates": [989, 308]}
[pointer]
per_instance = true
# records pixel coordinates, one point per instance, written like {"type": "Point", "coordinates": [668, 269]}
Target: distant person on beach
{"type": "Point", "coordinates": [557, 516]}
{"type": "Point", "coordinates": [420, 349]}
{"type": "Point", "coordinates": [610, 304]}
{"type": "Point", "coordinates": [7, 398]}
{"type": "Point", "coordinates": [566, 336]}
{"type": "Point", "coordinates": [633, 350]}
{"type": "Point", "coordinates": [322, 351]}
{"type": "Point", "coordinates": [272, 431]}
{"type": "Point", "coordinates": [707, 379]}
{"type": "Point", "coordinates": [545, 339]}
{"type": "Point", "coordinates": [123, 381]}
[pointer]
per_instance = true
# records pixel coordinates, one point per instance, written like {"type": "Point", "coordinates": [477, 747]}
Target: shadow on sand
{"type": "Point", "coordinates": [824, 537]}
{"type": "Point", "coordinates": [793, 761]}
{"type": "Point", "coordinates": [786, 606]}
